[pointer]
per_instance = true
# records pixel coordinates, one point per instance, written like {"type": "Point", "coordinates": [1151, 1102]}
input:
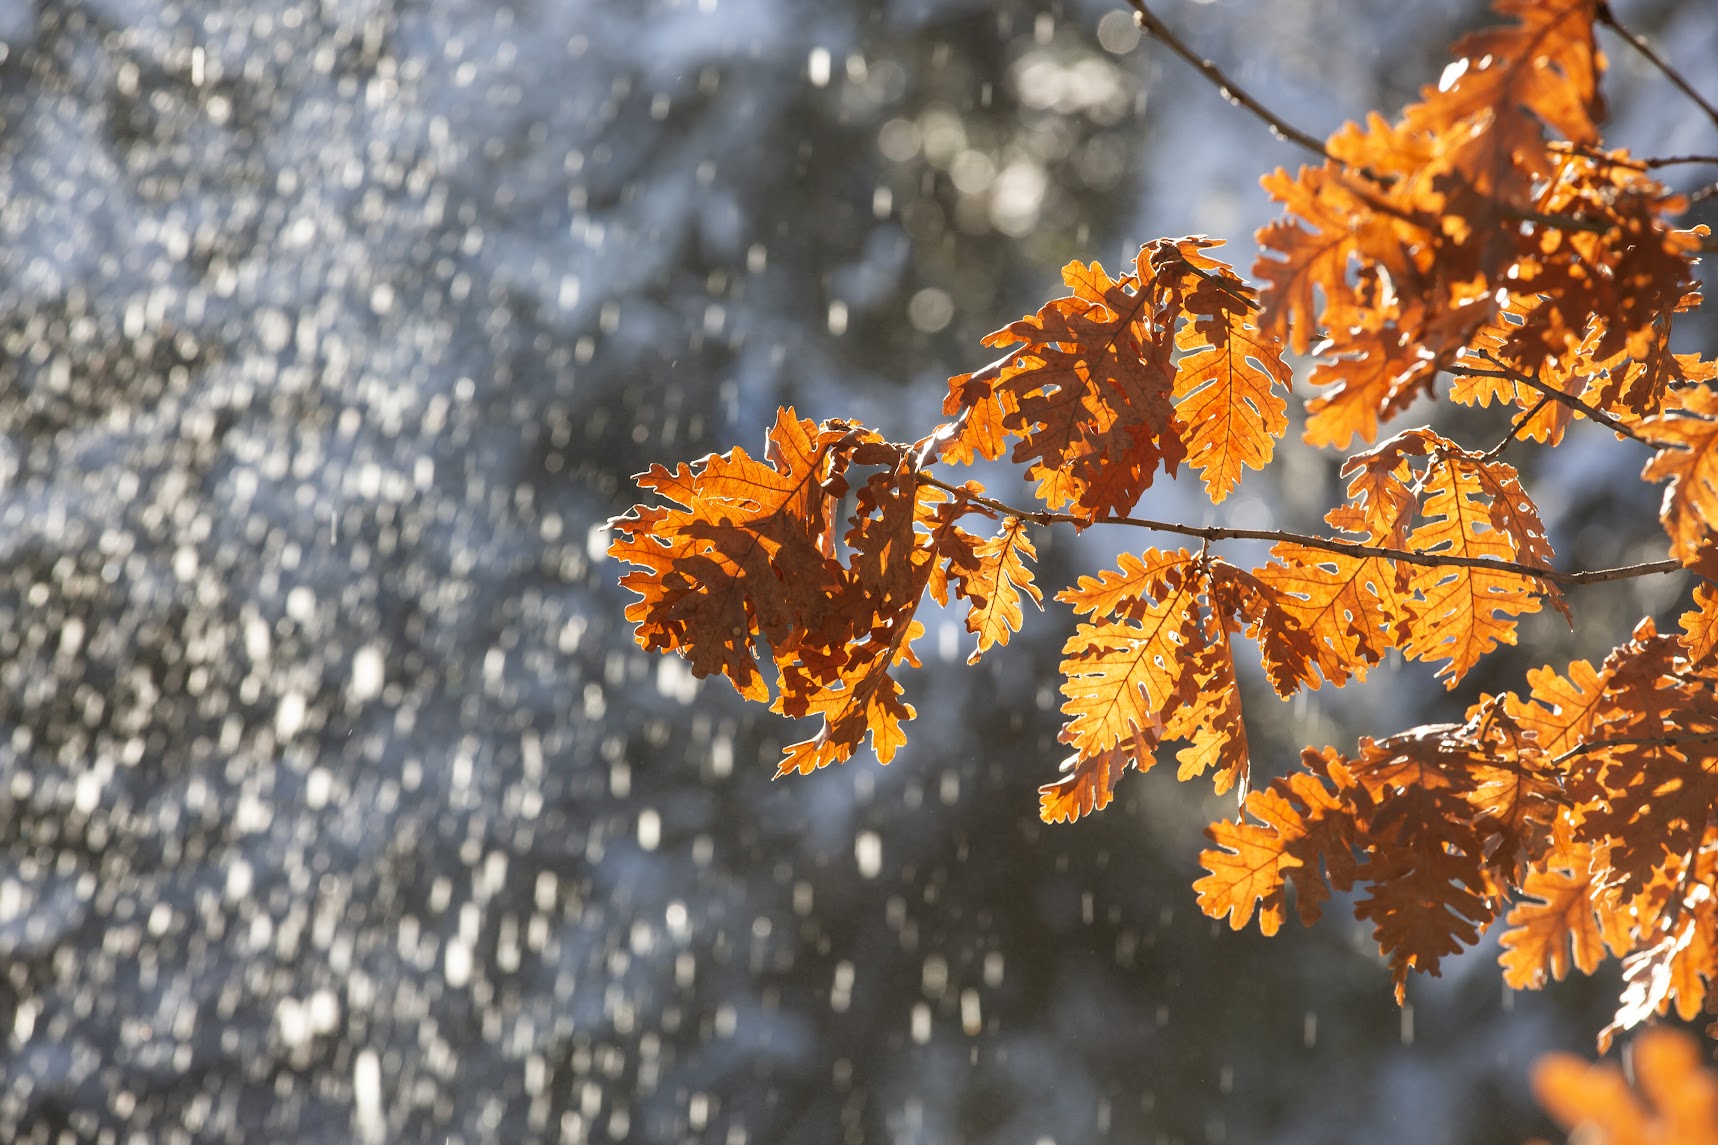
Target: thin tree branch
{"type": "Point", "coordinates": [1672, 160]}
{"type": "Point", "coordinates": [1516, 427]}
{"type": "Point", "coordinates": [1633, 163]}
{"type": "Point", "coordinates": [1348, 548]}
{"type": "Point", "coordinates": [1609, 19]}
{"type": "Point", "coordinates": [1158, 30]}
{"type": "Point", "coordinates": [1561, 222]}
{"type": "Point", "coordinates": [1556, 395]}
{"type": "Point", "coordinates": [1634, 741]}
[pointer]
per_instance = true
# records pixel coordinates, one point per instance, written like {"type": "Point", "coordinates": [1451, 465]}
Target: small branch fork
{"type": "Point", "coordinates": [1515, 428]}
{"type": "Point", "coordinates": [1349, 548]}
{"type": "Point", "coordinates": [1501, 370]}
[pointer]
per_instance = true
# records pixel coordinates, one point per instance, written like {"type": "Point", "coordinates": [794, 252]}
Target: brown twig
{"type": "Point", "coordinates": [1158, 30]}
{"type": "Point", "coordinates": [1609, 18]}
{"type": "Point", "coordinates": [1634, 741]}
{"type": "Point", "coordinates": [1516, 427]}
{"type": "Point", "coordinates": [1505, 371]}
{"type": "Point", "coordinates": [1327, 544]}
{"type": "Point", "coordinates": [1672, 160]}
{"type": "Point", "coordinates": [1561, 222]}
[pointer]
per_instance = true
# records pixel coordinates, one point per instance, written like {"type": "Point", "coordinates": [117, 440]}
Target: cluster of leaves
{"type": "Point", "coordinates": [1485, 235]}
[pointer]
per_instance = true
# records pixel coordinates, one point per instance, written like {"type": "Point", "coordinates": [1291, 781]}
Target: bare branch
{"type": "Point", "coordinates": [1638, 43]}
{"type": "Point", "coordinates": [1329, 545]}
{"type": "Point", "coordinates": [1158, 30]}
{"type": "Point", "coordinates": [1672, 160]}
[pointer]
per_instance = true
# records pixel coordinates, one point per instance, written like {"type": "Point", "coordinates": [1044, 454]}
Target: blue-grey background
{"type": "Point", "coordinates": [336, 803]}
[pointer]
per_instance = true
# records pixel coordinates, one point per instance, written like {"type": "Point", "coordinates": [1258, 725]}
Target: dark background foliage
{"type": "Point", "coordinates": [336, 803]}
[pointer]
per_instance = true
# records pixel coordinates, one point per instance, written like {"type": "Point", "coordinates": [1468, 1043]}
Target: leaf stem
{"type": "Point", "coordinates": [1327, 544]}
{"type": "Point", "coordinates": [1158, 30]}
{"type": "Point", "coordinates": [1609, 18]}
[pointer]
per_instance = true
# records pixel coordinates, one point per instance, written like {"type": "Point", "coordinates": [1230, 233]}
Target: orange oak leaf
{"type": "Point", "coordinates": [1123, 675]}
{"type": "Point", "coordinates": [1677, 1101]}
{"type": "Point", "coordinates": [1088, 390]}
{"type": "Point", "coordinates": [840, 671]}
{"type": "Point", "coordinates": [978, 429]}
{"type": "Point", "coordinates": [1472, 508]}
{"type": "Point", "coordinates": [1256, 607]}
{"type": "Point", "coordinates": [1088, 781]}
{"type": "Point", "coordinates": [1351, 608]}
{"type": "Point", "coordinates": [1299, 262]}
{"type": "Point", "coordinates": [1700, 628]}
{"type": "Point", "coordinates": [1302, 831]}
{"type": "Point", "coordinates": [1687, 436]}
{"type": "Point", "coordinates": [1542, 70]}
{"type": "Point", "coordinates": [1517, 799]}
{"type": "Point", "coordinates": [1673, 969]}
{"type": "Point", "coordinates": [1561, 710]}
{"type": "Point", "coordinates": [1092, 388]}
{"type": "Point", "coordinates": [1657, 798]}
{"type": "Point", "coordinates": [1557, 927]}
{"type": "Point", "coordinates": [1212, 724]}
{"type": "Point", "coordinates": [748, 551]}
{"type": "Point", "coordinates": [1161, 668]}
{"type": "Point", "coordinates": [1427, 840]}
{"type": "Point", "coordinates": [1547, 63]}
{"type": "Point", "coordinates": [1226, 382]}
{"type": "Point", "coordinates": [1381, 499]}
{"type": "Point", "coordinates": [1366, 378]}
{"type": "Point", "coordinates": [1128, 589]}
{"type": "Point", "coordinates": [992, 574]}
{"type": "Point", "coordinates": [1427, 897]}
{"type": "Point", "coordinates": [1621, 280]}
{"type": "Point", "coordinates": [1348, 607]}
{"type": "Point", "coordinates": [1214, 729]}
{"type": "Point", "coordinates": [1575, 372]}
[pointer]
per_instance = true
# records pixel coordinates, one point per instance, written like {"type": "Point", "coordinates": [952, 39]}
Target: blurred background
{"type": "Point", "coordinates": [337, 804]}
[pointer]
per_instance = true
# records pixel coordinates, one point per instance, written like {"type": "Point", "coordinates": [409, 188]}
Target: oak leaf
{"type": "Point", "coordinates": [1700, 628]}
{"type": "Point", "coordinates": [1474, 508]}
{"type": "Point", "coordinates": [1298, 832]}
{"type": "Point", "coordinates": [1088, 781]}
{"type": "Point", "coordinates": [1687, 436]}
{"type": "Point", "coordinates": [1124, 675]}
{"type": "Point", "coordinates": [1226, 382]}
{"type": "Point", "coordinates": [1558, 926]}
{"type": "Point", "coordinates": [748, 551]}
{"type": "Point", "coordinates": [1677, 1100]}
{"type": "Point", "coordinates": [1088, 391]}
